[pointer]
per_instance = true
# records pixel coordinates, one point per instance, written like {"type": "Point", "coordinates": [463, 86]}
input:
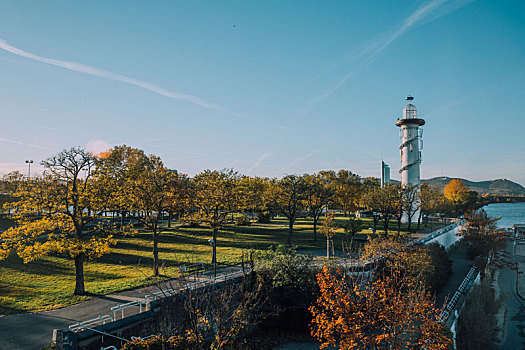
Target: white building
{"type": "Point", "coordinates": [410, 135]}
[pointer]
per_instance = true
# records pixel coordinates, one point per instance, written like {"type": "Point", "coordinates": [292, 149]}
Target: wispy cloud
{"type": "Point", "coordinates": [299, 159]}
{"type": "Point", "coordinates": [16, 142]}
{"type": "Point", "coordinates": [259, 161]}
{"type": "Point", "coordinates": [369, 53]}
{"type": "Point", "coordinates": [79, 67]}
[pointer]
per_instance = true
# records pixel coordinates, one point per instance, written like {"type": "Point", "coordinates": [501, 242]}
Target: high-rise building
{"type": "Point", "coordinates": [385, 174]}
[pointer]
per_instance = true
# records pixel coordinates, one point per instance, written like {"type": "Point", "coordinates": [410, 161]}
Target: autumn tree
{"type": "Point", "coordinates": [351, 228]}
{"type": "Point", "coordinates": [328, 230]}
{"type": "Point", "coordinates": [398, 205]}
{"type": "Point", "coordinates": [156, 189]}
{"type": "Point", "coordinates": [142, 187]}
{"type": "Point", "coordinates": [318, 194]}
{"type": "Point", "coordinates": [253, 196]}
{"type": "Point", "coordinates": [430, 202]}
{"type": "Point", "coordinates": [382, 200]}
{"type": "Point", "coordinates": [457, 193]}
{"type": "Point", "coordinates": [8, 187]}
{"type": "Point", "coordinates": [215, 195]}
{"type": "Point", "coordinates": [288, 197]}
{"type": "Point", "coordinates": [411, 200]}
{"type": "Point", "coordinates": [480, 234]}
{"type": "Point", "coordinates": [347, 190]}
{"type": "Point", "coordinates": [58, 212]}
{"type": "Point", "coordinates": [391, 312]}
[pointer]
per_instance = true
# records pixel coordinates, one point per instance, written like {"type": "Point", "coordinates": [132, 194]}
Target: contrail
{"type": "Point", "coordinates": [79, 67]}
{"type": "Point", "coordinates": [259, 161]}
{"type": "Point", "coordinates": [378, 44]}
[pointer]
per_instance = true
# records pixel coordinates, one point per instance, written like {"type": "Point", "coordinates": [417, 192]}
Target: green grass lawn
{"type": "Point", "coordinates": [49, 282]}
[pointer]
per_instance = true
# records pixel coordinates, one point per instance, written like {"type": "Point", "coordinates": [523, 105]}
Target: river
{"type": "Point", "coordinates": [510, 213]}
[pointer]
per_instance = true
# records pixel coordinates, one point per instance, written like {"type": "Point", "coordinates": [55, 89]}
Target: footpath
{"type": "Point", "coordinates": [34, 331]}
{"type": "Point", "coordinates": [461, 265]}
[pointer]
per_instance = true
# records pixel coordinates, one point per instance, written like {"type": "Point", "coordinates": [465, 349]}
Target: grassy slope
{"type": "Point", "coordinates": [49, 282]}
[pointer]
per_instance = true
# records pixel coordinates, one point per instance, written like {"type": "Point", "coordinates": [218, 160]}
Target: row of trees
{"type": "Point", "coordinates": [61, 210]}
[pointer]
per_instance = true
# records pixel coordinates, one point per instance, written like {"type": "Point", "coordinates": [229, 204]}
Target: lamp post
{"type": "Point", "coordinates": [29, 164]}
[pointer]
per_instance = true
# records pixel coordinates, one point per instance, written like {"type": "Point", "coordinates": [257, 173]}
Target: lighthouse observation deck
{"type": "Point", "coordinates": [410, 116]}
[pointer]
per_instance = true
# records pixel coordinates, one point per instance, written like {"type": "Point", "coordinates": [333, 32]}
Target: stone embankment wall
{"type": "Point", "coordinates": [447, 236]}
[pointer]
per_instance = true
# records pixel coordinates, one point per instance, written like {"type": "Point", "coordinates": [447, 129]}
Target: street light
{"type": "Point", "coordinates": [29, 164]}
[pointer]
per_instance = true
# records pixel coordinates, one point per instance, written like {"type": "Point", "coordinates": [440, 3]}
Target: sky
{"type": "Point", "coordinates": [267, 88]}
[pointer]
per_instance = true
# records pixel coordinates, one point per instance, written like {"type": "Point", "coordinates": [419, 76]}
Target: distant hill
{"type": "Point", "coordinates": [499, 187]}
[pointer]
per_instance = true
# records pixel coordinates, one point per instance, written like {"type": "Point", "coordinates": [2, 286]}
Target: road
{"type": "Point", "coordinates": [514, 335]}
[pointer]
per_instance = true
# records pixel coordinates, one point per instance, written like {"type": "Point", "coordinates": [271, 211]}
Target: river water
{"type": "Point", "coordinates": [510, 213]}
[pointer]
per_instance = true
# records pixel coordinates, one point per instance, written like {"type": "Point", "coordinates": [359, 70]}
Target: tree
{"type": "Point", "coordinates": [411, 202]}
{"type": "Point", "coordinates": [253, 197]}
{"type": "Point", "coordinates": [215, 195]}
{"type": "Point", "coordinates": [457, 193]}
{"type": "Point", "coordinates": [391, 312]}
{"type": "Point", "coordinates": [347, 190]}
{"type": "Point", "coordinates": [58, 212]}
{"type": "Point", "coordinates": [8, 187]}
{"type": "Point", "coordinates": [398, 205]}
{"type": "Point", "coordinates": [156, 189]}
{"type": "Point", "coordinates": [288, 197]}
{"type": "Point", "coordinates": [328, 230]}
{"type": "Point", "coordinates": [318, 194]}
{"type": "Point", "coordinates": [351, 228]}
{"type": "Point", "coordinates": [480, 234]}
{"type": "Point", "coordinates": [143, 186]}
{"type": "Point", "coordinates": [382, 200]}
{"type": "Point", "coordinates": [430, 201]}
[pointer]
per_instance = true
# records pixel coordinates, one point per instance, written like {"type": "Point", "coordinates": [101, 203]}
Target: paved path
{"type": "Point", "coordinates": [34, 330]}
{"type": "Point", "coordinates": [514, 334]}
{"type": "Point", "coordinates": [460, 267]}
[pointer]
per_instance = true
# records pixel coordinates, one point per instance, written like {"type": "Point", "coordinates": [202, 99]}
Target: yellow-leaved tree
{"type": "Point", "coordinates": [59, 212]}
{"type": "Point", "coordinates": [214, 195]}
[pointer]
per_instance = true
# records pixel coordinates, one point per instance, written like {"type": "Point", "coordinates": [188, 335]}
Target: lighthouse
{"type": "Point", "coordinates": [411, 145]}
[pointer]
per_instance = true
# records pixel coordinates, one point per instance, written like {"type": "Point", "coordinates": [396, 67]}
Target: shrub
{"type": "Point", "coordinates": [477, 324]}
{"type": "Point", "coordinates": [442, 267]}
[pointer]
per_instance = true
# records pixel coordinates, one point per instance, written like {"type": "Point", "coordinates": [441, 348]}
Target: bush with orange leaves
{"type": "Point", "coordinates": [391, 311]}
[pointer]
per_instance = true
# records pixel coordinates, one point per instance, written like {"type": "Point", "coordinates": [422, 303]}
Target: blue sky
{"type": "Point", "coordinates": [267, 87]}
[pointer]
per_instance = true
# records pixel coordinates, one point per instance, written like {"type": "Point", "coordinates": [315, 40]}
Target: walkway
{"type": "Point", "coordinates": [460, 267]}
{"type": "Point", "coordinates": [34, 330]}
{"type": "Point", "coordinates": [514, 334]}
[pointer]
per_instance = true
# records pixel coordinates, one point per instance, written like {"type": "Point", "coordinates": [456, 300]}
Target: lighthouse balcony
{"type": "Point", "coordinates": [410, 121]}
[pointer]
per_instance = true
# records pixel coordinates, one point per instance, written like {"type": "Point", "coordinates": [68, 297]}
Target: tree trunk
{"type": "Point", "coordinates": [290, 230]}
{"type": "Point", "coordinates": [409, 223]}
{"type": "Point", "coordinates": [327, 248]}
{"type": "Point", "coordinates": [399, 227]}
{"type": "Point", "coordinates": [315, 229]}
{"type": "Point", "coordinates": [214, 246]}
{"type": "Point", "coordinates": [155, 253]}
{"type": "Point", "coordinates": [79, 275]}
{"type": "Point", "coordinates": [385, 221]}
{"type": "Point", "coordinates": [169, 219]}
{"type": "Point", "coordinates": [419, 220]}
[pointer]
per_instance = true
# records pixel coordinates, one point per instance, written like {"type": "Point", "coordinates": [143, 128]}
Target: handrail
{"type": "Point", "coordinates": [122, 307]}
{"type": "Point", "coordinates": [144, 304]}
{"type": "Point", "coordinates": [457, 295]}
{"type": "Point", "coordinates": [85, 324]}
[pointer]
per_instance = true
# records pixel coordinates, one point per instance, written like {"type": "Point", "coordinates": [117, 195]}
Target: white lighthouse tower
{"type": "Point", "coordinates": [411, 141]}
